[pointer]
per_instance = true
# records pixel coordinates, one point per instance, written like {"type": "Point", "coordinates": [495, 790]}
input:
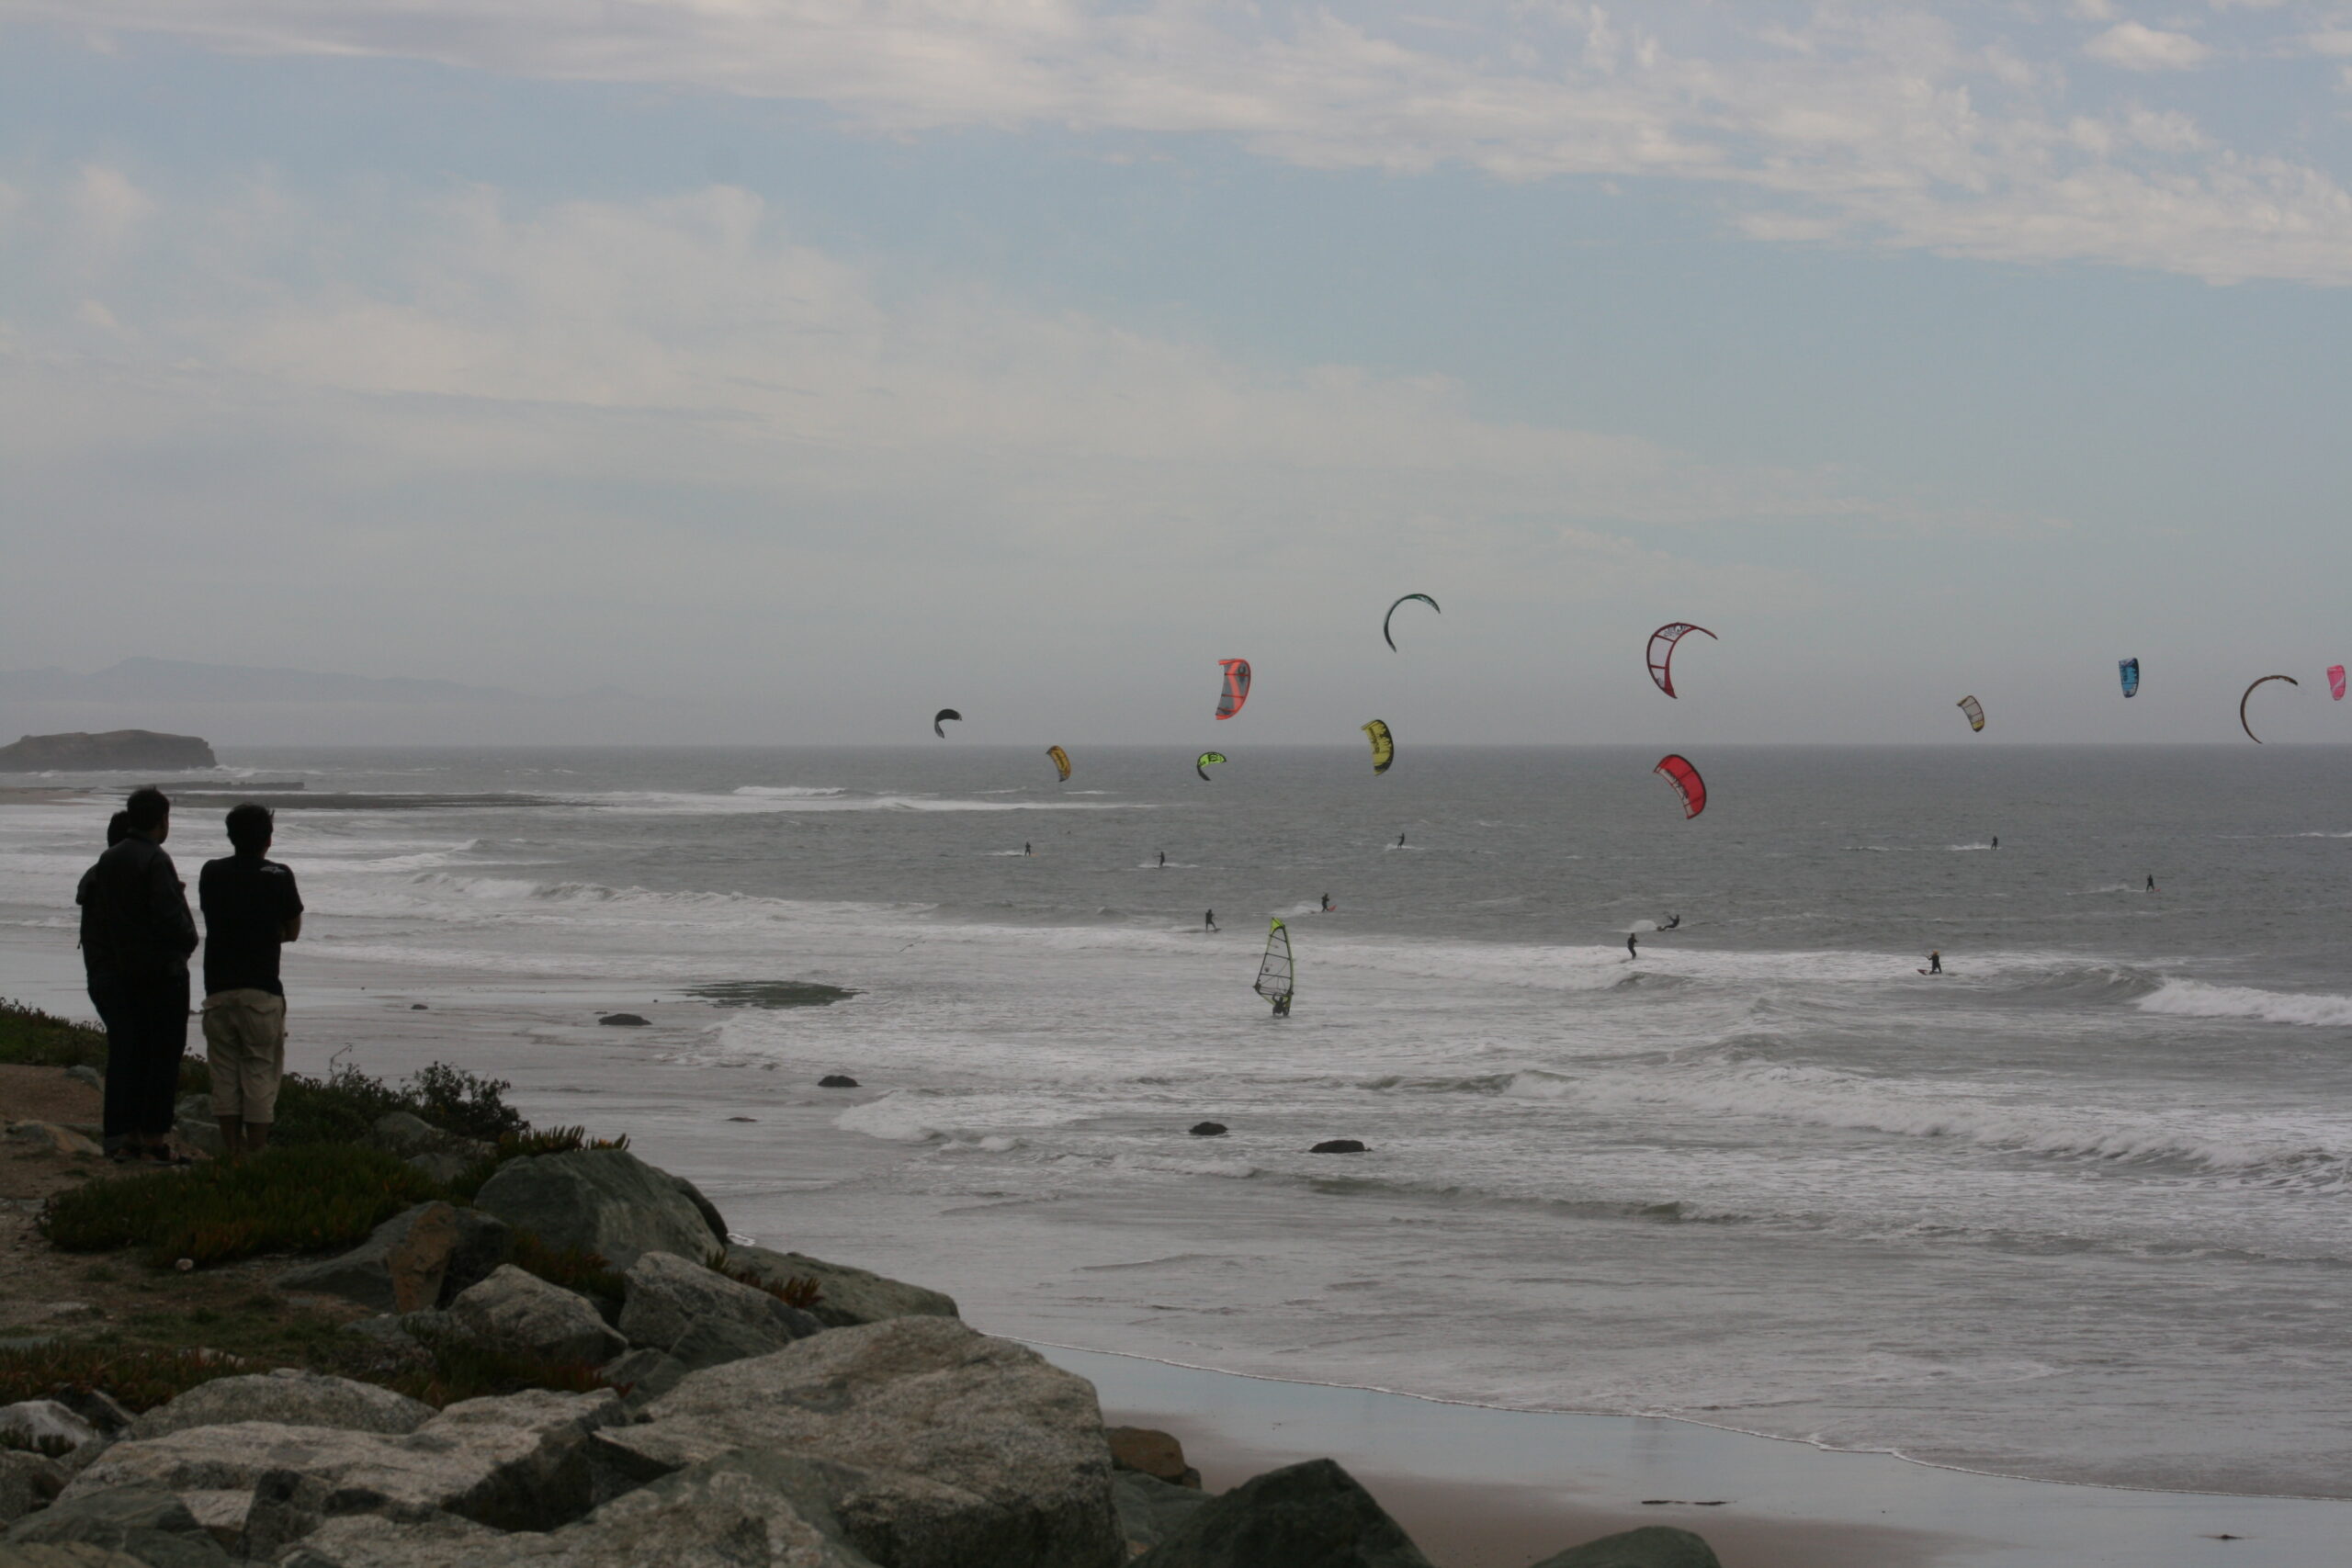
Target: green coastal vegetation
{"type": "Point", "coordinates": [319, 1188]}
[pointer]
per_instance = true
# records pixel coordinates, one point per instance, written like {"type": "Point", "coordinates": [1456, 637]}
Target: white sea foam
{"type": "Point", "coordinates": [2195, 998]}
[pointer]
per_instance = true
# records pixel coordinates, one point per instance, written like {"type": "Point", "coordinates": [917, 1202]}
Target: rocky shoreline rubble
{"type": "Point", "coordinates": [743, 1406]}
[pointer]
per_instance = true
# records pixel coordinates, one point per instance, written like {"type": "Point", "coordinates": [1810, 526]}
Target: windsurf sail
{"type": "Point", "coordinates": [1677, 772]}
{"type": "Point", "coordinates": [2129, 670]}
{"type": "Point", "coordinates": [940, 718]}
{"type": "Point", "coordinates": [1237, 688]}
{"type": "Point", "coordinates": [1202, 765]}
{"type": "Point", "coordinates": [1061, 762]}
{"type": "Point", "coordinates": [1661, 655]}
{"type": "Point", "coordinates": [1275, 971]}
{"type": "Point", "coordinates": [2335, 681]}
{"type": "Point", "coordinates": [2250, 735]}
{"type": "Point", "coordinates": [1384, 746]}
{"type": "Point", "coordinates": [1975, 712]}
{"type": "Point", "coordinates": [1391, 616]}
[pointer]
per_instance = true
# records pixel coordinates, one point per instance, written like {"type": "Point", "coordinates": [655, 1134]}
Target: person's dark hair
{"type": "Point", "coordinates": [249, 827]}
{"type": "Point", "coordinates": [146, 808]}
{"type": "Point", "coordinates": [118, 827]}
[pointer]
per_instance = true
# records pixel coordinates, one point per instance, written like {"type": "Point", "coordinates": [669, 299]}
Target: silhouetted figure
{"type": "Point", "coordinates": [1209, 919]}
{"type": "Point", "coordinates": [1632, 951]}
{"type": "Point", "coordinates": [251, 909]}
{"type": "Point", "coordinates": [138, 936]}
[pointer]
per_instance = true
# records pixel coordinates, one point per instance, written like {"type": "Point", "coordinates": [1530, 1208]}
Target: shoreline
{"type": "Point", "coordinates": [1482, 1487]}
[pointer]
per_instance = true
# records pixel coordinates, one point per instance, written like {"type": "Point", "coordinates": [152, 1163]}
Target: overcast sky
{"type": "Point", "coordinates": [805, 365]}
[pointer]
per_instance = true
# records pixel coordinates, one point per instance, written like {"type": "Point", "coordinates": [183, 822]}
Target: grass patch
{"type": "Point", "coordinates": [286, 1200]}
{"type": "Point", "coordinates": [797, 1290]}
{"type": "Point", "coordinates": [574, 1268]}
{"type": "Point", "coordinates": [468, 1369]}
{"type": "Point", "coordinates": [31, 1038]}
{"type": "Point", "coordinates": [345, 1105]}
{"type": "Point", "coordinates": [139, 1377]}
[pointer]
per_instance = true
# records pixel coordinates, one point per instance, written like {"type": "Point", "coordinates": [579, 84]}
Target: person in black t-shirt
{"type": "Point", "coordinates": [136, 936]}
{"type": "Point", "coordinates": [251, 909]}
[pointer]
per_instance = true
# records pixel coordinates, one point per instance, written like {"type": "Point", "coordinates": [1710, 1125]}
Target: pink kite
{"type": "Point", "coordinates": [2335, 681]}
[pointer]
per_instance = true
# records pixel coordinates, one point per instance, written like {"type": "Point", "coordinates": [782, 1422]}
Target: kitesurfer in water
{"type": "Point", "coordinates": [1163, 859]}
{"type": "Point", "coordinates": [1632, 953]}
{"type": "Point", "coordinates": [1400, 841]}
{"type": "Point", "coordinates": [1327, 903]}
{"type": "Point", "coordinates": [2152, 881]}
{"type": "Point", "coordinates": [1997, 840]}
{"type": "Point", "coordinates": [1026, 849]}
{"type": "Point", "coordinates": [1672, 922]}
{"type": "Point", "coordinates": [1935, 963]}
{"type": "Point", "coordinates": [1209, 919]}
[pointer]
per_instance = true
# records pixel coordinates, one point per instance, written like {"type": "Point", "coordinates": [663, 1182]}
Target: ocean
{"type": "Point", "coordinates": [2074, 1210]}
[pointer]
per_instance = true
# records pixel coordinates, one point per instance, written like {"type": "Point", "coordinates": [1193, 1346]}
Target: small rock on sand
{"type": "Point", "coordinates": [837, 1080]}
{"type": "Point", "coordinates": [624, 1019]}
{"type": "Point", "coordinates": [1338, 1146]}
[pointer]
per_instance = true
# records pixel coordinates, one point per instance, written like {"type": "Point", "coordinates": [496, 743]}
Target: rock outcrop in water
{"type": "Point", "coordinates": [112, 750]}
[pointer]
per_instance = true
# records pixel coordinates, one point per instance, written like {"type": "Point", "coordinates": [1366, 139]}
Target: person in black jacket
{"type": "Point", "coordinates": [138, 936]}
{"type": "Point", "coordinates": [251, 909]}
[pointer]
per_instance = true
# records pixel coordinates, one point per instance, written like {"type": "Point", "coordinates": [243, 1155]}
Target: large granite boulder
{"type": "Point", "coordinates": [941, 1447]}
{"type": "Point", "coordinates": [846, 1296]}
{"type": "Point", "coordinates": [607, 1201]}
{"type": "Point", "coordinates": [289, 1398]}
{"type": "Point", "coordinates": [28, 1481]}
{"type": "Point", "coordinates": [71, 1555]}
{"type": "Point", "coordinates": [524, 1312]}
{"type": "Point", "coordinates": [441, 1155]}
{"type": "Point", "coordinates": [418, 1259]}
{"type": "Point", "coordinates": [34, 1422]}
{"type": "Point", "coordinates": [642, 1377]}
{"type": "Point", "coordinates": [1150, 1509]}
{"type": "Point", "coordinates": [517, 1462]}
{"type": "Point", "coordinates": [672, 1303]}
{"type": "Point", "coordinates": [147, 1524]}
{"type": "Point", "coordinates": [1652, 1546]}
{"type": "Point", "coordinates": [1304, 1516]}
{"type": "Point", "coordinates": [741, 1510]}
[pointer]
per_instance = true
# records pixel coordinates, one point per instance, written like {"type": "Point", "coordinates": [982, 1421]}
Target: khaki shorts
{"type": "Point", "coordinates": [244, 1041]}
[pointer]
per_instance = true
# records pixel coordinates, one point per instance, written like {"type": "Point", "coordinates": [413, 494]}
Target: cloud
{"type": "Point", "coordinates": [2137, 48]}
{"type": "Point", "coordinates": [669, 442]}
{"type": "Point", "coordinates": [1887, 125]}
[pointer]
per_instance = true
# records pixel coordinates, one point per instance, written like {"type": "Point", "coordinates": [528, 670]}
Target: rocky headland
{"type": "Point", "coordinates": [112, 750]}
{"type": "Point", "coordinates": [707, 1402]}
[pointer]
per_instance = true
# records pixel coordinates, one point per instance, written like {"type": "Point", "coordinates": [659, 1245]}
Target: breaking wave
{"type": "Point", "coordinates": [2195, 998]}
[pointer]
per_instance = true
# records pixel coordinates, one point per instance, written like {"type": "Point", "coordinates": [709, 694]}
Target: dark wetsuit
{"type": "Point", "coordinates": [138, 934]}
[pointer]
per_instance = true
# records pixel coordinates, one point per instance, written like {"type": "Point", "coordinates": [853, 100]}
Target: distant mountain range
{"type": "Point", "coordinates": [180, 681]}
